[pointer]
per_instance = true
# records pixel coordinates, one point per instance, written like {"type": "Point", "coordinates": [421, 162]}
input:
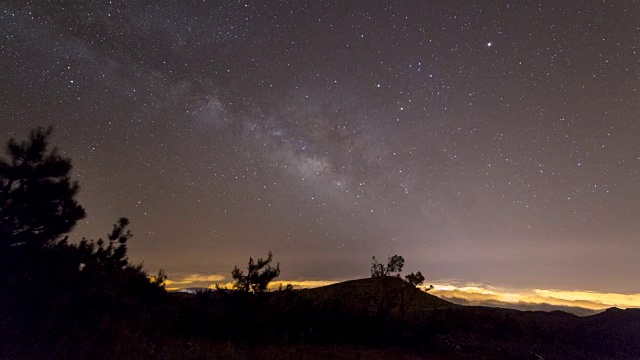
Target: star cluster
{"type": "Point", "coordinates": [492, 142]}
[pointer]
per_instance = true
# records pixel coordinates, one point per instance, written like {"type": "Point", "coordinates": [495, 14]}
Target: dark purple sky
{"type": "Point", "coordinates": [494, 142]}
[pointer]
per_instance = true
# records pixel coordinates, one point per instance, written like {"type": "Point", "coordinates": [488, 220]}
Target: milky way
{"type": "Point", "coordinates": [494, 142]}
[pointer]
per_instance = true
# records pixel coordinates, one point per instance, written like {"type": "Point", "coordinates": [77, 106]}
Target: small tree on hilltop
{"type": "Point", "coordinates": [395, 264]}
{"type": "Point", "coordinates": [37, 197]}
{"type": "Point", "coordinates": [414, 279]}
{"type": "Point", "coordinates": [400, 294]}
{"type": "Point", "coordinates": [259, 274]}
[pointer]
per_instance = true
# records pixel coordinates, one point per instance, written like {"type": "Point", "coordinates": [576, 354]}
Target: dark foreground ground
{"type": "Point", "coordinates": [360, 319]}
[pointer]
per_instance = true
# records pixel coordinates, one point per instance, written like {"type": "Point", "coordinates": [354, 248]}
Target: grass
{"type": "Point", "coordinates": [204, 349]}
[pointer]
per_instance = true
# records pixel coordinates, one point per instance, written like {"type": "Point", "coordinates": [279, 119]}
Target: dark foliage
{"type": "Point", "coordinates": [52, 288]}
{"type": "Point", "coordinates": [259, 274]}
{"type": "Point", "coordinates": [36, 193]}
{"type": "Point", "coordinates": [394, 266]}
{"type": "Point", "coordinates": [414, 279]}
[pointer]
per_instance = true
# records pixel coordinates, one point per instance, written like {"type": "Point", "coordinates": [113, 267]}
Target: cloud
{"type": "Point", "coordinates": [211, 280]}
{"type": "Point", "coordinates": [580, 302]}
{"type": "Point", "coordinates": [301, 284]}
{"type": "Point", "coordinates": [534, 299]}
{"type": "Point", "coordinates": [193, 280]}
{"type": "Point", "coordinates": [525, 306]}
{"type": "Point", "coordinates": [605, 299]}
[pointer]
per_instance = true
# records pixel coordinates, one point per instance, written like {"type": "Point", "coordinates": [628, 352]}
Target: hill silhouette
{"type": "Point", "coordinates": [365, 318]}
{"type": "Point", "coordinates": [363, 294]}
{"type": "Point", "coordinates": [614, 328]}
{"type": "Point", "coordinates": [488, 332]}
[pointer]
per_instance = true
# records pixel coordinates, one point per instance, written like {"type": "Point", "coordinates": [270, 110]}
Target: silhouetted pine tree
{"type": "Point", "coordinates": [37, 197]}
{"type": "Point", "coordinates": [52, 290]}
{"type": "Point", "coordinates": [259, 275]}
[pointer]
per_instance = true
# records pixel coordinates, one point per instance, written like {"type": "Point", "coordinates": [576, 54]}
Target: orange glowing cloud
{"type": "Point", "coordinates": [465, 294]}
{"type": "Point", "coordinates": [211, 280]}
{"type": "Point", "coordinates": [488, 295]}
{"type": "Point", "coordinates": [193, 280]}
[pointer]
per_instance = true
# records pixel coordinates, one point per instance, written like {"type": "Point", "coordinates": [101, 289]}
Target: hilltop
{"type": "Point", "coordinates": [362, 294]}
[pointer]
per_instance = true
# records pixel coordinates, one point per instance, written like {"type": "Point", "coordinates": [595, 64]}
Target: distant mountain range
{"type": "Point", "coordinates": [525, 306]}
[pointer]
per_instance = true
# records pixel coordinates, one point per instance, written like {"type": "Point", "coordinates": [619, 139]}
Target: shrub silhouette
{"type": "Point", "coordinates": [259, 274]}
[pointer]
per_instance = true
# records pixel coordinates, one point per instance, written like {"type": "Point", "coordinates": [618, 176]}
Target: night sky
{"type": "Point", "coordinates": [488, 142]}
